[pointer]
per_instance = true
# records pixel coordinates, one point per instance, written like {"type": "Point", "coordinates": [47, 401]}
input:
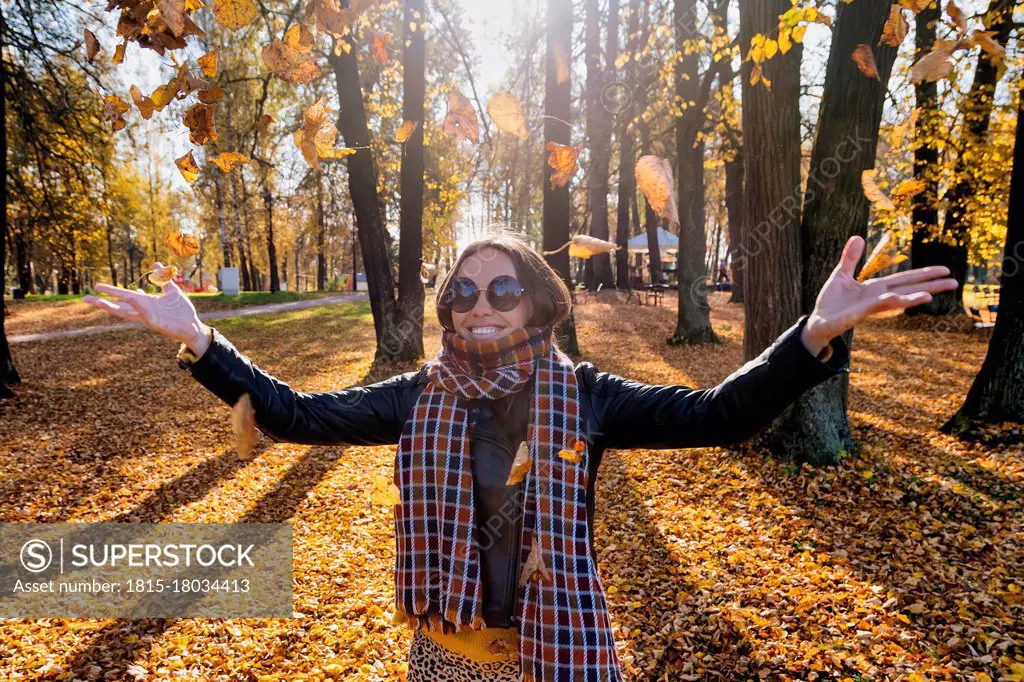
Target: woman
{"type": "Point", "coordinates": [499, 441]}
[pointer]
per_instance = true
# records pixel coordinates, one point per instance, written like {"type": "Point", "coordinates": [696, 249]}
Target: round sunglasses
{"type": "Point", "coordinates": [503, 293]}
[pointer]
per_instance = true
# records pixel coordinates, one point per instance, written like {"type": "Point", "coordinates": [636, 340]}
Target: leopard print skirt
{"type": "Point", "coordinates": [431, 662]}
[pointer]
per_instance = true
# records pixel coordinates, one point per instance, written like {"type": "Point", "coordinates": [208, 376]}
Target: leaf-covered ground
{"type": "Point", "coordinates": [904, 563]}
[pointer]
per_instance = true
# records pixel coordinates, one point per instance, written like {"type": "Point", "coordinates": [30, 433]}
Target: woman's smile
{"type": "Point", "coordinates": [485, 332]}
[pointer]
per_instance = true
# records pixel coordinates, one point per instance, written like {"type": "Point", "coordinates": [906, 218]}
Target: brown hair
{"type": "Point", "coordinates": [543, 286]}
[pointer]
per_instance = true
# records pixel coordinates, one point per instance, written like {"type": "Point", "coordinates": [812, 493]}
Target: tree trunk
{"type": "Point", "coordinates": [693, 320]}
{"type": "Point", "coordinates": [557, 128]}
{"type": "Point", "coordinates": [997, 394]}
{"type": "Point", "coordinates": [977, 113]}
{"type": "Point", "coordinates": [23, 260]}
{"type": "Point", "coordinates": [623, 99]}
{"type": "Point", "coordinates": [8, 373]}
{"type": "Point", "coordinates": [771, 135]}
{"type": "Point", "coordinates": [599, 129]}
{"type": "Point", "coordinates": [225, 242]}
{"type": "Point", "coordinates": [254, 273]}
{"type": "Point", "coordinates": [242, 263]}
{"type": "Point", "coordinates": [362, 184]}
{"type": "Point", "coordinates": [268, 203]}
{"type": "Point", "coordinates": [410, 244]}
{"type": "Point", "coordinates": [815, 429]}
{"type": "Point", "coordinates": [110, 249]}
{"type": "Point", "coordinates": [735, 206]}
{"type": "Point", "coordinates": [321, 235]}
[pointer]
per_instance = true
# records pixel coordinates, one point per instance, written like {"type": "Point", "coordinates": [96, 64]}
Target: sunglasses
{"type": "Point", "coordinates": [503, 293]}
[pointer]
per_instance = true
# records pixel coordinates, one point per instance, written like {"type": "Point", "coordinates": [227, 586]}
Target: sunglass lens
{"type": "Point", "coordinates": [504, 293]}
{"type": "Point", "coordinates": [462, 295]}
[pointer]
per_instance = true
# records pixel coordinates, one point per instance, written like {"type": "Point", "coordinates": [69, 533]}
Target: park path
{"type": "Point", "coordinates": [269, 308]}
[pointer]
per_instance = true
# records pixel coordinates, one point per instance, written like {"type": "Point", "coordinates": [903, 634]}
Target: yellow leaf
{"type": "Point", "coordinates": [798, 34]}
{"type": "Point", "coordinates": [507, 113]}
{"type": "Point", "coordinates": [461, 120]}
{"type": "Point", "coordinates": [654, 179]}
{"type": "Point", "coordinates": [234, 14]}
{"type": "Point", "coordinates": [183, 244]}
{"type": "Point", "coordinates": [187, 165]}
{"type": "Point", "coordinates": [229, 161]}
{"type": "Point", "coordinates": [208, 63]}
{"type": "Point", "coordinates": [520, 465]}
{"type": "Point", "coordinates": [406, 130]}
{"type": "Point", "coordinates": [564, 161]}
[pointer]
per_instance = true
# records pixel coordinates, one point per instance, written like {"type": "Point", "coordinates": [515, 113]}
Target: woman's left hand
{"type": "Point", "coordinates": [843, 301]}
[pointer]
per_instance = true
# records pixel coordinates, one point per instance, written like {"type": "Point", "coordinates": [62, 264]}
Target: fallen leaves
{"type": "Point", "coordinates": [92, 46]}
{"type": "Point", "coordinates": [406, 130]}
{"type": "Point", "coordinates": [585, 246]}
{"type": "Point", "coordinates": [520, 465]}
{"type": "Point", "coordinates": [229, 161]}
{"type": "Point", "coordinates": [199, 121]}
{"type": "Point", "coordinates": [873, 192]}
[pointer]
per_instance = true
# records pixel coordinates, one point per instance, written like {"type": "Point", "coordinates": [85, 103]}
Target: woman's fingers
{"type": "Point", "coordinates": [933, 286]}
{"type": "Point", "coordinates": [894, 301]}
{"type": "Point", "coordinates": [916, 275]}
{"type": "Point", "coordinates": [852, 252]}
{"type": "Point", "coordinates": [120, 309]}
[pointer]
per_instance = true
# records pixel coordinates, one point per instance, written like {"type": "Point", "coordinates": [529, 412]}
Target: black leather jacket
{"type": "Point", "coordinates": [616, 413]}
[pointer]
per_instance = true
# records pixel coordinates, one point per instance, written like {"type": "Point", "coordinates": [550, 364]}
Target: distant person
{"type": "Point", "coordinates": [495, 564]}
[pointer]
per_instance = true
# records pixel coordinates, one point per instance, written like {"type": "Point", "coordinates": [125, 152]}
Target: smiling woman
{"type": "Point", "coordinates": [500, 437]}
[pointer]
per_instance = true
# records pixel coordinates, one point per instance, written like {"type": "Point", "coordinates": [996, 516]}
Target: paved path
{"type": "Point", "coordinates": [269, 308]}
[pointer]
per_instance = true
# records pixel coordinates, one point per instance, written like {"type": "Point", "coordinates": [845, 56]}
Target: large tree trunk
{"type": "Point", "coordinates": [771, 135]}
{"type": "Point", "coordinates": [268, 203]}
{"type": "Point", "coordinates": [693, 321]}
{"type": "Point", "coordinates": [557, 128]}
{"type": "Point", "coordinates": [254, 272]}
{"type": "Point", "coordinates": [8, 373]}
{"type": "Point", "coordinates": [362, 185]}
{"type": "Point", "coordinates": [321, 235]}
{"type": "Point", "coordinates": [997, 394]}
{"type": "Point", "coordinates": [925, 247]}
{"type": "Point", "coordinates": [977, 113]}
{"type": "Point", "coordinates": [410, 245]}
{"type": "Point", "coordinates": [236, 213]}
{"type": "Point", "coordinates": [815, 429]}
{"type": "Point", "coordinates": [599, 129]}
{"type": "Point", "coordinates": [735, 206]}
{"type": "Point", "coordinates": [225, 241]}
{"type": "Point", "coordinates": [623, 99]}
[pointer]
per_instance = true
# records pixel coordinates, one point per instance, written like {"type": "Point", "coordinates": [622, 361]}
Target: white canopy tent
{"type": "Point", "coordinates": [668, 243]}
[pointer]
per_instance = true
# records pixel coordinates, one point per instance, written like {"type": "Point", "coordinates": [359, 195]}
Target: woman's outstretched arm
{"type": "Point", "coordinates": [631, 414]}
{"type": "Point", "coordinates": [368, 415]}
{"type": "Point", "coordinates": [364, 415]}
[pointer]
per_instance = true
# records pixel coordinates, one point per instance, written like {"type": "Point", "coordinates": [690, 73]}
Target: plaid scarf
{"type": "Point", "coordinates": [564, 631]}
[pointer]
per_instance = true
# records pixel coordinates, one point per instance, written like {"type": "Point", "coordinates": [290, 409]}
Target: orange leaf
{"type": "Point", "coordinates": [289, 63]}
{"type": "Point", "coordinates": [299, 38]}
{"type": "Point", "coordinates": [654, 179]}
{"type": "Point", "coordinates": [865, 60]}
{"type": "Point", "coordinates": [461, 120]}
{"type": "Point", "coordinates": [520, 465]}
{"type": "Point", "coordinates": [92, 46]}
{"type": "Point", "coordinates": [243, 423]}
{"type": "Point", "coordinates": [534, 568]}
{"type": "Point", "coordinates": [896, 28]}
{"type": "Point", "coordinates": [187, 165]}
{"type": "Point", "coordinates": [199, 121]}
{"type": "Point", "coordinates": [379, 41]}
{"type": "Point", "coordinates": [183, 244]}
{"type": "Point", "coordinates": [564, 161]}
{"type": "Point", "coordinates": [114, 109]}
{"type": "Point", "coordinates": [208, 63]}
{"type": "Point", "coordinates": [507, 113]}
{"type": "Point", "coordinates": [145, 104]}
{"type": "Point", "coordinates": [406, 130]}
{"type": "Point", "coordinates": [229, 161]}
{"type": "Point", "coordinates": [234, 14]}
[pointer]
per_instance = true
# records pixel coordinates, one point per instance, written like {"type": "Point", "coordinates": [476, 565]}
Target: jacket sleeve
{"type": "Point", "coordinates": [367, 415]}
{"type": "Point", "coordinates": [635, 415]}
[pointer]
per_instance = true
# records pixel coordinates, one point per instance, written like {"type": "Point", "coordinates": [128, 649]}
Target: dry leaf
{"type": "Point", "coordinates": [384, 491]}
{"type": "Point", "coordinates": [316, 137]}
{"type": "Point", "coordinates": [534, 568]}
{"type": "Point", "coordinates": [234, 14]}
{"type": "Point", "coordinates": [299, 38]}
{"type": "Point", "coordinates": [570, 455]}
{"type": "Point", "coordinates": [119, 52]}
{"type": "Point", "coordinates": [114, 109]}
{"type": "Point", "coordinates": [883, 256]}
{"type": "Point", "coordinates": [334, 20]}
{"type": "Point", "coordinates": [173, 12]}
{"type": "Point", "coordinates": [92, 46]}
{"type": "Point", "coordinates": [988, 43]}
{"type": "Point", "coordinates": [907, 189]}
{"type": "Point", "coordinates": [874, 193]}
{"type": "Point", "coordinates": [263, 125]}
{"type": "Point", "coordinates": [406, 130]}
{"type": "Point", "coordinates": [936, 64]}
{"type": "Point", "coordinates": [183, 244]}
{"type": "Point", "coordinates": [896, 28]}
{"type": "Point", "coordinates": [564, 161]}
{"type": "Point", "coordinates": [199, 121]}
{"type": "Point", "coordinates": [229, 161]}
{"type": "Point", "coordinates": [289, 63]}
{"type": "Point", "coordinates": [211, 95]}
{"type": "Point", "coordinates": [379, 41]}
{"type": "Point", "coordinates": [507, 113]}
{"type": "Point", "coordinates": [461, 120]}
{"type": "Point", "coordinates": [654, 179]}
{"type": "Point", "coordinates": [243, 423]}
{"type": "Point", "coordinates": [208, 63]}
{"type": "Point", "coordinates": [520, 465]}
{"type": "Point", "coordinates": [958, 17]}
{"type": "Point", "coordinates": [145, 104]}
{"type": "Point", "coordinates": [161, 276]}
{"type": "Point", "coordinates": [187, 165]}
{"type": "Point", "coordinates": [864, 58]}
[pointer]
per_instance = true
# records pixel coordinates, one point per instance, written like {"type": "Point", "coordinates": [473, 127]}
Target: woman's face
{"type": "Point", "coordinates": [483, 322]}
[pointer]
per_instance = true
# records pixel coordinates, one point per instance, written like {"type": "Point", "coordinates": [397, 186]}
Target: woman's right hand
{"type": "Point", "coordinates": [172, 313]}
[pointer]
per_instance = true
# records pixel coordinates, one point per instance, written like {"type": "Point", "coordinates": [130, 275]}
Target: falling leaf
{"type": "Point", "coordinates": [187, 165]}
{"type": "Point", "coordinates": [935, 65]}
{"type": "Point", "coordinates": [119, 52]}
{"type": "Point", "coordinates": [183, 244]}
{"type": "Point", "coordinates": [896, 28]}
{"type": "Point", "coordinates": [211, 95]}
{"type": "Point", "coordinates": [208, 63]}
{"type": "Point", "coordinates": [534, 568]}
{"type": "Point", "coordinates": [865, 60]}
{"type": "Point", "coordinates": [164, 94]}
{"type": "Point", "coordinates": [161, 276]}
{"type": "Point", "coordinates": [874, 193]}
{"type": "Point", "coordinates": [461, 120]}
{"type": "Point", "coordinates": [316, 137]}
{"type": "Point", "coordinates": [334, 20]}
{"type": "Point", "coordinates": [907, 189]}
{"type": "Point", "coordinates": [958, 17]}
{"type": "Point", "coordinates": [883, 256]}
{"type": "Point", "coordinates": [654, 179]}
{"type": "Point", "coordinates": [173, 12]}
{"type": "Point", "coordinates": [406, 130]}
{"type": "Point", "coordinates": [234, 14]}
{"type": "Point", "coordinates": [199, 121]}
{"type": "Point", "coordinates": [114, 109]}
{"type": "Point", "coordinates": [384, 491]}
{"type": "Point", "coordinates": [988, 43]}
{"type": "Point", "coordinates": [299, 38]}
{"type": "Point", "coordinates": [507, 113]}
{"type": "Point", "coordinates": [379, 41]}
{"type": "Point", "coordinates": [289, 63]}
{"type": "Point", "coordinates": [427, 270]}
{"type": "Point", "coordinates": [92, 46]}
{"type": "Point", "coordinates": [564, 161]}
{"type": "Point", "coordinates": [229, 161]}
{"type": "Point", "coordinates": [145, 104]}
{"type": "Point", "coordinates": [570, 456]}
{"type": "Point", "coordinates": [263, 125]}
{"type": "Point", "coordinates": [585, 246]}
{"type": "Point", "coordinates": [243, 424]}
{"type": "Point", "coordinates": [520, 465]}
